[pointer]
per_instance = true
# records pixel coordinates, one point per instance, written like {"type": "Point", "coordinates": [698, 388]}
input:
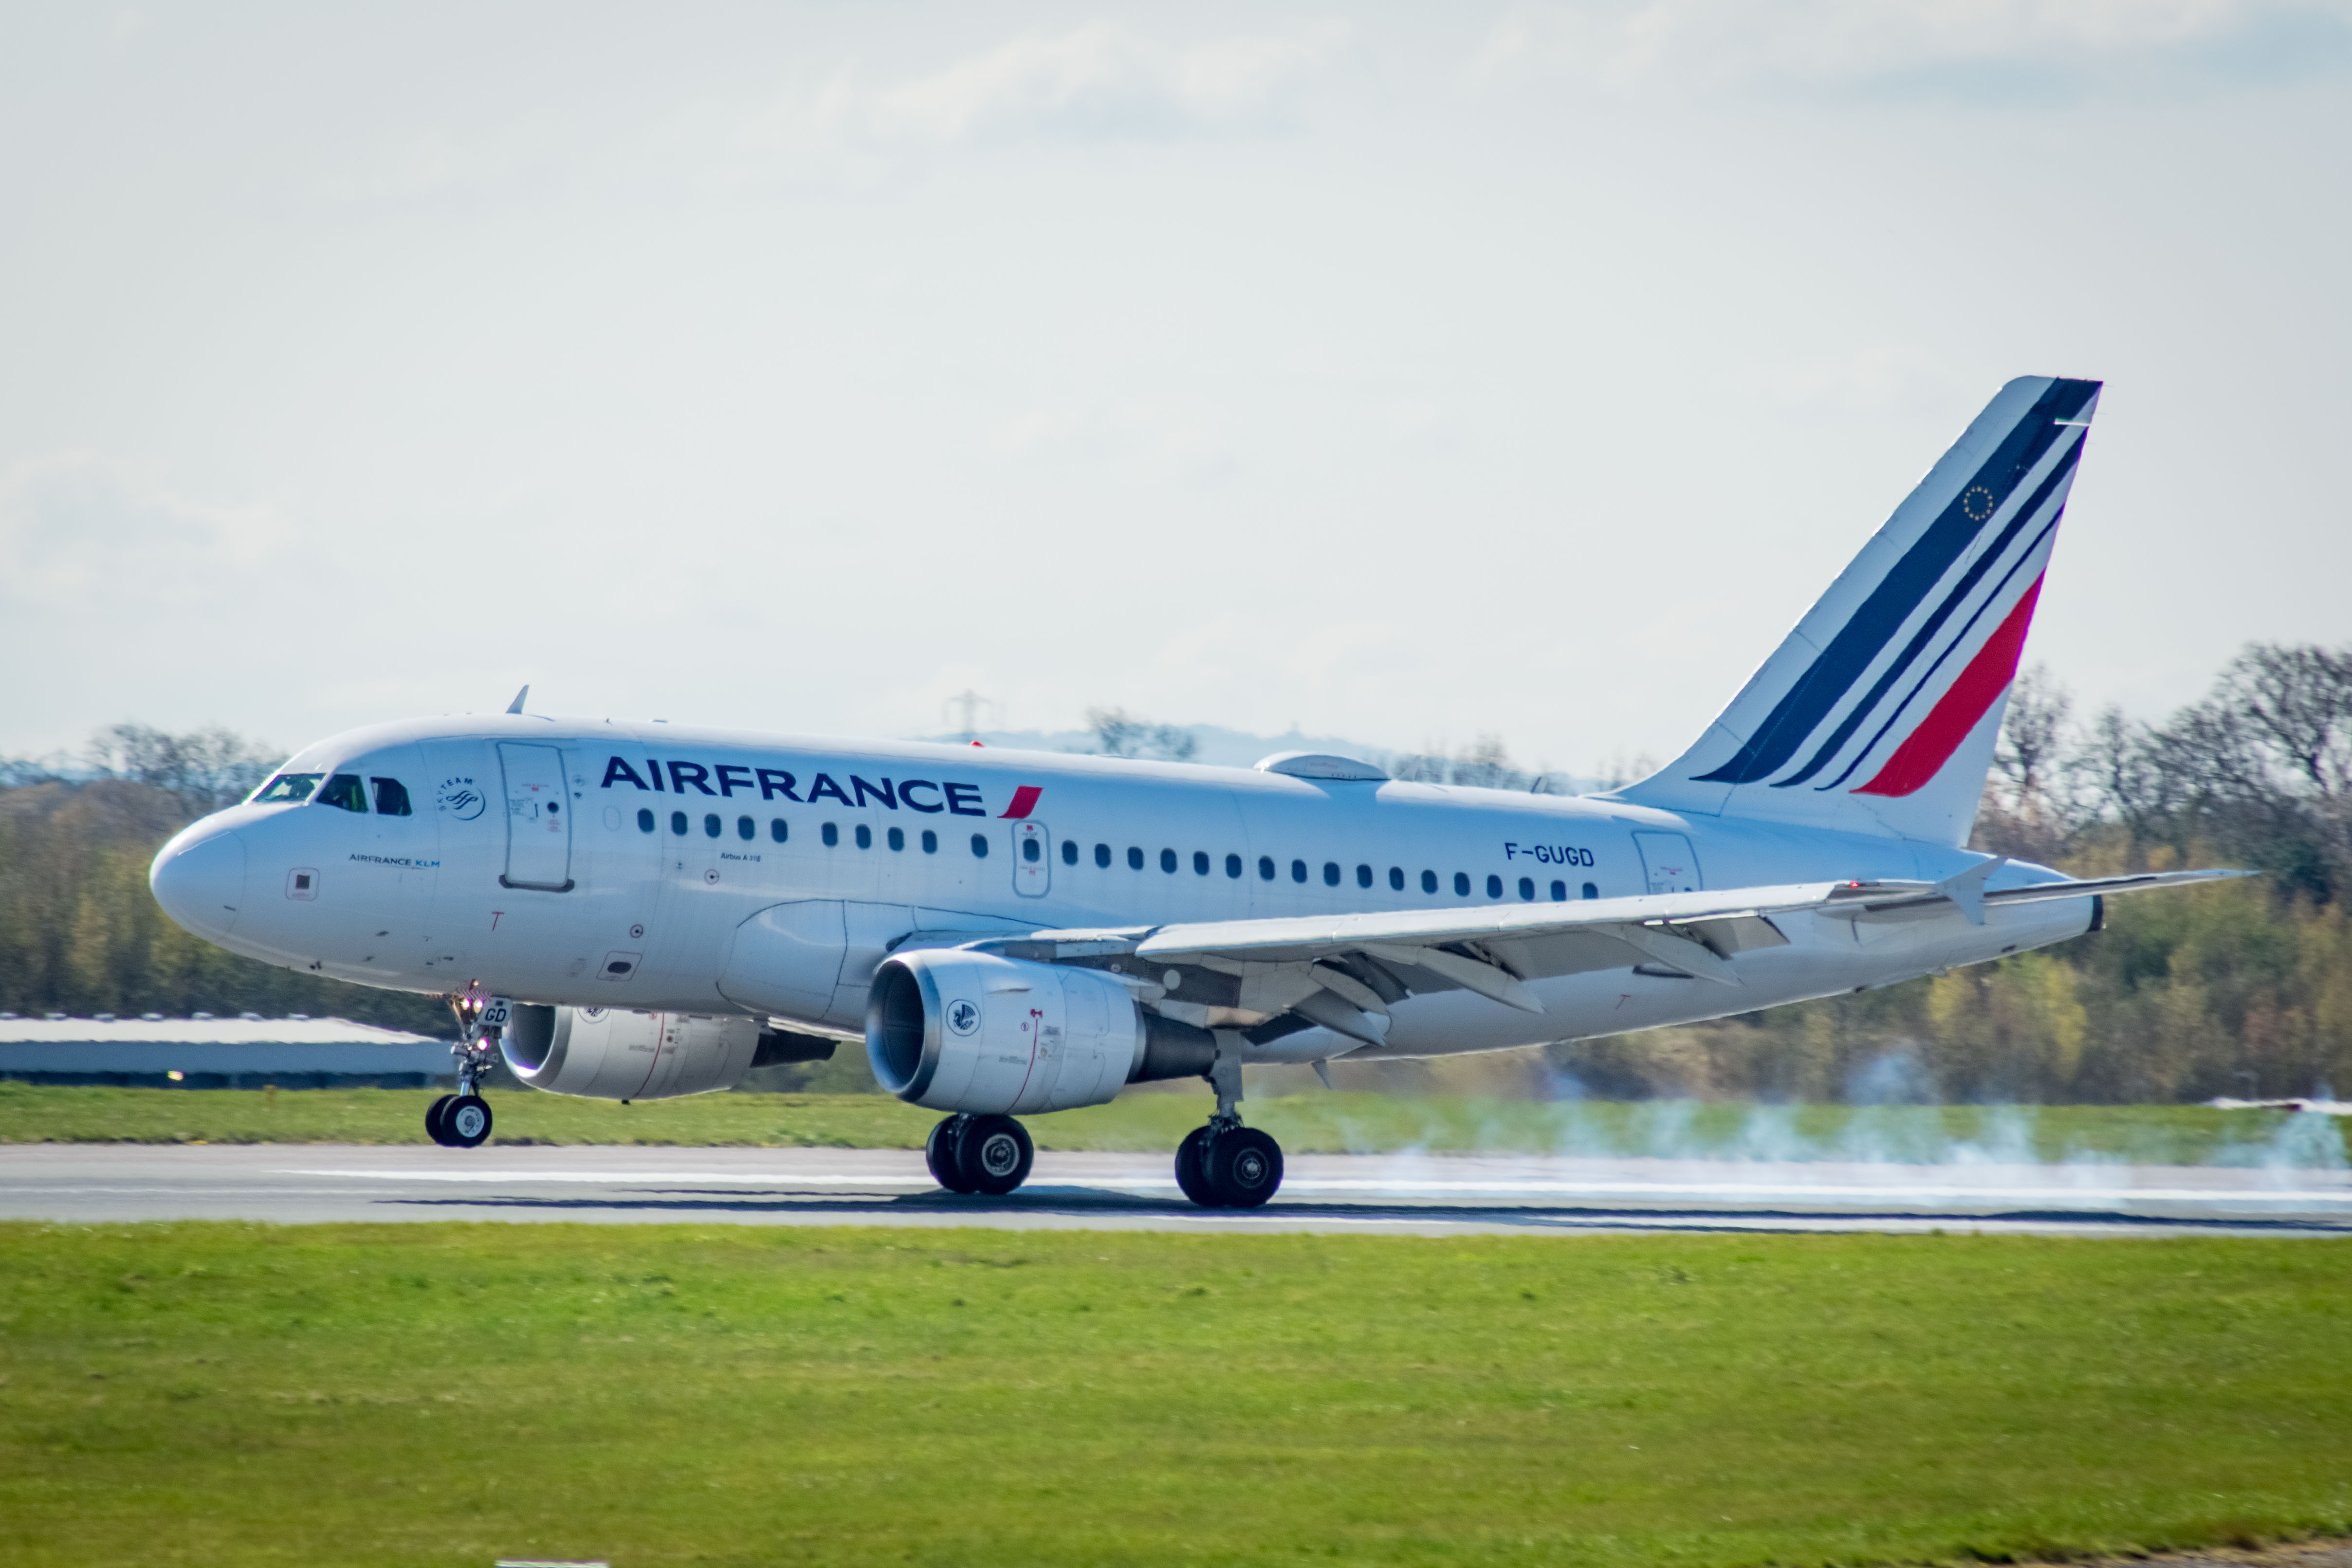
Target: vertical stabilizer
{"type": "Point", "coordinates": [1878, 713]}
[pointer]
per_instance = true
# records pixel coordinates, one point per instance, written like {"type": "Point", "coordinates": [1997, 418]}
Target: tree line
{"type": "Point", "coordinates": [2243, 988]}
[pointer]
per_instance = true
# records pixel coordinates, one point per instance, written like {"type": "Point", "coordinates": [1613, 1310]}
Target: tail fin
{"type": "Point", "coordinates": [1878, 713]}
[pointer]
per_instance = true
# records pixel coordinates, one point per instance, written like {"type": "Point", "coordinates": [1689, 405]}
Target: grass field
{"type": "Point", "coordinates": [1312, 1123]}
{"type": "Point", "coordinates": [199, 1395]}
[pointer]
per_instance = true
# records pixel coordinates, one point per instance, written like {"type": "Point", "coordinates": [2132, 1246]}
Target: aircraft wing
{"type": "Point", "coordinates": [1343, 971]}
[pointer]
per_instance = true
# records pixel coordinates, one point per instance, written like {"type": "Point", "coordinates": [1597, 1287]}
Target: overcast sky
{"type": "Point", "coordinates": [1405, 372]}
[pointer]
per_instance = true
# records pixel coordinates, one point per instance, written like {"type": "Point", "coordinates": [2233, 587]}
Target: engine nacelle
{"type": "Point", "coordinates": [611, 1054]}
{"type": "Point", "coordinates": [961, 1030]}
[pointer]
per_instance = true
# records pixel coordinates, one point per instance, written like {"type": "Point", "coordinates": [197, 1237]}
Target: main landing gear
{"type": "Point", "coordinates": [980, 1154]}
{"type": "Point", "coordinates": [462, 1121]}
{"type": "Point", "coordinates": [1225, 1165]}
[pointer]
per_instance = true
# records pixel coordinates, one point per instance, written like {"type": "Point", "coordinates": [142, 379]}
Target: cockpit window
{"type": "Point", "coordinates": [286, 789]}
{"type": "Point", "coordinates": [391, 798]}
{"type": "Point", "coordinates": [343, 790]}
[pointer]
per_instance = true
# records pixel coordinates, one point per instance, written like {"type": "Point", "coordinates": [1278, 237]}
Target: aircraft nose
{"type": "Point", "coordinates": [199, 879]}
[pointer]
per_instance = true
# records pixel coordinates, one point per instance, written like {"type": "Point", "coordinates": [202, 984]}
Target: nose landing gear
{"type": "Point", "coordinates": [462, 1121]}
{"type": "Point", "coordinates": [990, 1155]}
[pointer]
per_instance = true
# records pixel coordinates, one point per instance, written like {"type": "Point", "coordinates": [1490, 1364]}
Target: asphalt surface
{"type": "Point", "coordinates": [1424, 1195]}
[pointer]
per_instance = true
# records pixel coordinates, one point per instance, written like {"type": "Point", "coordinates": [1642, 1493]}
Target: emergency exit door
{"type": "Point", "coordinates": [1033, 859]}
{"type": "Point", "coordinates": [1668, 860]}
{"type": "Point", "coordinates": [538, 818]}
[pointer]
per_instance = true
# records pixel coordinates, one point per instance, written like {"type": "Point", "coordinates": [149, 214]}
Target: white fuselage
{"type": "Point", "coordinates": [623, 865]}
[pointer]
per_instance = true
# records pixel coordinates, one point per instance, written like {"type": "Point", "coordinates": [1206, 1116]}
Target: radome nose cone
{"type": "Point", "coordinates": [201, 882]}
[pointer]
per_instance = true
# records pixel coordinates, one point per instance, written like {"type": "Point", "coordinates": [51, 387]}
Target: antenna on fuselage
{"type": "Point", "coordinates": [516, 705]}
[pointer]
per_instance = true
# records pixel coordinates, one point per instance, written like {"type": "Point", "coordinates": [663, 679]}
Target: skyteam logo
{"type": "Point", "coordinates": [1936, 640]}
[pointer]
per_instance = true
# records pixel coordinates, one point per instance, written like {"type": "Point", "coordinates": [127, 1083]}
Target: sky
{"type": "Point", "coordinates": [1406, 373]}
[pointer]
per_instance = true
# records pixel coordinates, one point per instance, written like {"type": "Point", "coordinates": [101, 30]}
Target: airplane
{"type": "Point", "coordinates": [635, 911]}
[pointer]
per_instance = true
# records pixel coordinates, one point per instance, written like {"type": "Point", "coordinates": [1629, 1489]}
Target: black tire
{"type": "Point", "coordinates": [1191, 1174]}
{"type": "Point", "coordinates": [995, 1154]}
{"type": "Point", "coordinates": [1244, 1167]}
{"type": "Point", "coordinates": [940, 1152]}
{"type": "Point", "coordinates": [465, 1124]}
{"type": "Point", "coordinates": [433, 1114]}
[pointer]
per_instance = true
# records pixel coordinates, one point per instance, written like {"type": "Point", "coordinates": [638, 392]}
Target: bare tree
{"type": "Point", "coordinates": [1119, 733]}
{"type": "Point", "coordinates": [206, 769]}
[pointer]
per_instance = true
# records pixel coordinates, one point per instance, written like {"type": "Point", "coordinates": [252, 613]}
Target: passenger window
{"type": "Point", "coordinates": [1363, 876]}
{"type": "Point", "coordinates": [1527, 890]}
{"type": "Point", "coordinates": [1102, 854]}
{"type": "Point", "coordinates": [898, 838]}
{"type": "Point", "coordinates": [1494, 887]}
{"type": "Point", "coordinates": [1199, 863]}
{"type": "Point", "coordinates": [286, 789]}
{"type": "Point", "coordinates": [645, 819]}
{"type": "Point", "coordinates": [746, 828]}
{"type": "Point", "coordinates": [865, 837]}
{"type": "Point", "coordinates": [1298, 871]}
{"type": "Point", "coordinates": [1591, 891]}
{"type": "Point", "coordinates": [1070, 851]}
{"type": "Point", "coordinates": [930, 843]}
{"type": "Point", "coordinates": [777, 830]}
{"type": "Point", "coordinates": [980, 846]}
{"type": "Point", "coordinates": [1330, 873]}
{"type": "Point", "coordinates": [830, 834]}
{"type": "Point", "coordinates": [1461, 885]}
{"type": "Point", "coordinates": [710, 824]}
{"type": "Point", "coordinates": [343, 790]}
{"type": "Point", "coordinates": [677, 824]}
{"type": "Point", "coordinates": [391, 798]}
{"type": "Point", "coordinates": [1168, 862]}
{"type": "Point", "coordinates": [1134, 858]}
{"type": "Point", "coordinates": [1266, 868]}
{"type": "Point", "coordinates": [1233, 865]}
{"type": "Point", "coordinates": [1396, 877]}
{"type": "Point", "coordinates": [1559, 893]}
{"type": "Point", "coordinates": [1429, 881]}
{"type": "Point", "coordinates": [1029, 851]}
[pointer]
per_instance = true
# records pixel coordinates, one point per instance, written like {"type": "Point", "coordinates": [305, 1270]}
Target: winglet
{"type": "Point", "coordinates": [1968, 889]}
{"type": "Point", "coordinates": [516, 705]}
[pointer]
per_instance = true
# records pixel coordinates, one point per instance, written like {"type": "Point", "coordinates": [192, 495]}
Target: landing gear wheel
{"type": "Point", "coordinates": [995, 1154]}
{"type": "Point", "coordinates": [1244, 1167]}
{"type": "Point", "coordinates": [467, 1122]}
{"type": "Point", "coordinates": [1192, 1171]}
{"type": "Point", "coordinates": [940, 1153]}
{"type": "Point", "coordinates": [433, 1114]}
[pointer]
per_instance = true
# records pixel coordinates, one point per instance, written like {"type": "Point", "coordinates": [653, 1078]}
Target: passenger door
{"type": "Point", "coordinates": [1033, 859]}
{"type": "Point", "coordinates": [539, 820]}
{"type": "Point", "coordinates": [1670, 862]}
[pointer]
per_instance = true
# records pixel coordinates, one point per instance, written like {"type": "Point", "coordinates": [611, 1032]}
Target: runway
{"type": "Point", "coordinates": [1416, 1195]}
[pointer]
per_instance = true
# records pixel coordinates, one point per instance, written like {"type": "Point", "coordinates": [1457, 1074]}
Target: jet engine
{"type": "Point", "coordinates": [961, 1030]}
{"type": "Point", "coordinates": [611, 1054]}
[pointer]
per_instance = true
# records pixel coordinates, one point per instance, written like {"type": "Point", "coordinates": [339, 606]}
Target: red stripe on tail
{"type": "Point", "coordinates": [1948, 724]}
{"type": "Point", "coordinates": [1025, 800]}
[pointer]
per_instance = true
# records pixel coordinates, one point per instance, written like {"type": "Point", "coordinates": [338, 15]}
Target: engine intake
{"type": "Point", "coordinates": [601, 1053]}
{"type": "Point", "coordinates": [959, 1030]}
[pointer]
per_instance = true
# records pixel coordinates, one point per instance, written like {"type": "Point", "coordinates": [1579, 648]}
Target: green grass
{"type": "Point", "coordinates": [232, 1394]}
{"type": "Point", "coordinates": [1310, 1123]}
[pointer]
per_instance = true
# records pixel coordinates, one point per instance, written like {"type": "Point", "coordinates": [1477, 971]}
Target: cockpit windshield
{"type": "Point", "coordinates": [343, 790]}
{"type": "Point", "coordinates": [286, 789]}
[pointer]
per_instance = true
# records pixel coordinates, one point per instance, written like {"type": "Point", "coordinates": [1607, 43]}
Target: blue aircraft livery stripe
{"type": "Point", "coordinates": [1865, 635]}
{"type": "Point", "coordinates": [1960, 640]}
{"type": "Point", "coordinates": [1935, 622]}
